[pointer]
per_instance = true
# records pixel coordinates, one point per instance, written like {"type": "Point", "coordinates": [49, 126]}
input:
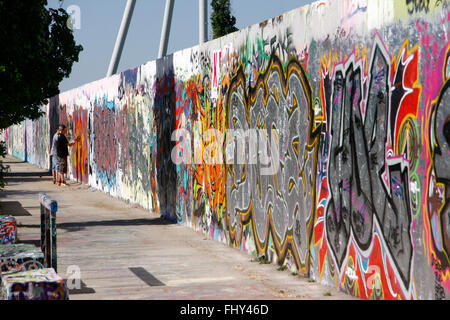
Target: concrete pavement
{"type": "Point", "coordinates": [127, 253]}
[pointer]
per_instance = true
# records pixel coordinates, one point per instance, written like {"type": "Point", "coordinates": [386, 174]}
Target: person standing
{"type": "Point", "coordinates": [62, 152]}
{"type": "Point", "coordinates": [54, 156]}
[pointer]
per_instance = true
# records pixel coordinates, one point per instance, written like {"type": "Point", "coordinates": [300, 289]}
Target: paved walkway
{"type": "Point", "coordinates": [124, 252]}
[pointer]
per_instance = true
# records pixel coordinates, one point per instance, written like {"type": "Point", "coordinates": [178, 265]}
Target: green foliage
{"type": "Point", "coordinates": [282, 268]}
{"type": "Point", "coordinates": [38, 51]}
{"type": "Point", "coordinates": [3, 169]}
{"type": "Point", "coordinates": [222, 21]}
{"type": "Point", "coordinates": [263, 260]}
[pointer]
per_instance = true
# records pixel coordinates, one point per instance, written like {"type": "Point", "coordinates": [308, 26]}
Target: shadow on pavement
{"type": "Point", "coordinates": [13, 208]}
{"type": "Point", "coordinates": [78, 226]}
{"type": "Point", "coordinates": [36, 243]}
{"type": "Point", "coordinates": [8, 193]}
{"type": "Point", "coordinates": [28, 174]}
{"type": "Point", "coordinates": [19, 180]}
{"type": "Point", "coordinates": [147, 277]}
{"type": "Point", "coordinates": [13, 162]}
{"type": "Point", "coordinates": [83, 290]}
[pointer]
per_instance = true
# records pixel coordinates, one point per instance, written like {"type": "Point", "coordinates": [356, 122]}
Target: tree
{"type": "Point", "coordinates": [222, 21]}
{"type": "Point", "coordinates": [38, 51]}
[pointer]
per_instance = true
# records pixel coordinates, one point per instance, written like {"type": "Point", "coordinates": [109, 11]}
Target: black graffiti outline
{"type": "Point", "coordinates": [445, 209]}
{"type": "Point", "coordinates": [383, 200]}
{"type": "Point", "coordinates": [286, 246]}
{"type": "Point", "coordinates": [416, 6]}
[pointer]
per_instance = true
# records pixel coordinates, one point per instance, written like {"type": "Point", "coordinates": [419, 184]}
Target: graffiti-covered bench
{"type": "Point", "coordinates": [41, 284]}
{"type": "Point", "coordinates": [8, 230]}
{"type": "Point", "coordinates": [29, 272]}
{"type": "Point", "coordinates": [20, 257]}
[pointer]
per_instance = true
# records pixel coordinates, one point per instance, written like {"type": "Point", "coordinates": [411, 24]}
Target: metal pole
{"type": "Point", "coordinates": [165, 33]}
{"type": "Point", "coordinates": [48, 239]}
{"type": "Point", "coordinates": [53, 232]}
{"type": "Point", "coordinates": [43, 228]}
{"type": "Point", "coordinates": [203, 21]}
{"type": "Point", "coordinates": [122, 35]}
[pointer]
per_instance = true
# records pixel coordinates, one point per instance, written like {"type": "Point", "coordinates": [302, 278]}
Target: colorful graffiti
{"type": "Point", "coordinates": [104, 143]}
{"type": "Point", "coordinates": [20, 257]}
{"type": "Point", "coordinates": [8, 230]}
{"type": "Point", "coordinates": [440, 219]}
{"type": "Point", "coordinates": [164, 117]}
{"type": "Point", "coordinates": [278, 207]}
{"type": "Point", "coordinates": [80, 151]}
{"type": "Point", "coordinates": [435, 209]}
{"type": "Point", "coordinates": [186, 95]}
{"type": "Point", "coordinates": [442, 160]}
{"type": "Point", "coordinates": [133, 136]}
{"type": "Point", "coordinates": [41, 284]}
{"type": "Point", "coordinates": [369, 207]}
{"type": "Point", "coordinates": [16, 141]}
{"type": "Point", "coordinates": [322, 147]}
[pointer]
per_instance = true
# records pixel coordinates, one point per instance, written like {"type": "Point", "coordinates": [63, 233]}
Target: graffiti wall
{"type": "Point", "coordinates": [319, 139]}
{"type": "Point", "coordinates": [29, 141]}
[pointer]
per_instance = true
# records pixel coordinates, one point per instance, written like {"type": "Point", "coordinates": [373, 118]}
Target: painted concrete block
{"type": "Point", "coordinates": [8, 230]}
{"type": "Point", "coordinates": [20, 257]}
{"type": "Point", "coordinates": [42, 284]}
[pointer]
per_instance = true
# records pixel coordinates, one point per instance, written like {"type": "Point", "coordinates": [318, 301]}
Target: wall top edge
{"type": "Point", "coordinates": [388, 11]}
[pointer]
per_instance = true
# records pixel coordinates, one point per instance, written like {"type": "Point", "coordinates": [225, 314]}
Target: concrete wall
{"type": "Point", "coordinates": [29, 141]}
{"type": "Point", "coordinates": [353, 95]}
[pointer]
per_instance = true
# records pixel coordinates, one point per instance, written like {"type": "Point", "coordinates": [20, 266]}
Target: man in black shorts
{"type": "Point", "coordinates": [62, 152]}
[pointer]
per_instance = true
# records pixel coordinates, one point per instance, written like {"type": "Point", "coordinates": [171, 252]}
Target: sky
{"type": "Point", "coordinates": [100, 21]}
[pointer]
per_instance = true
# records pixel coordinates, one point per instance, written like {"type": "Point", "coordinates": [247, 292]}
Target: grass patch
{"type": "Point", "coordinates": [263, 260]}
{"type": "Point", "coordinates": [282, 268]}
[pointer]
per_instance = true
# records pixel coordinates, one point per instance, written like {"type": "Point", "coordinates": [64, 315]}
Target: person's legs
{"type": "Point", "coordinates": [59, 179]}
{"type": "Point", "coordinates": [55, 169]}
{"type": "Point", "coordinates": [63, 167]}
{"type": "Point", "coordinates": [59, 171]}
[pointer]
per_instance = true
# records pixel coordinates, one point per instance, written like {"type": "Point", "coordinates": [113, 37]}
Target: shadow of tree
{"type": "Point", "coordinates": [13, 208]}
{"type": "Point", "coordinates": [78, 226]}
